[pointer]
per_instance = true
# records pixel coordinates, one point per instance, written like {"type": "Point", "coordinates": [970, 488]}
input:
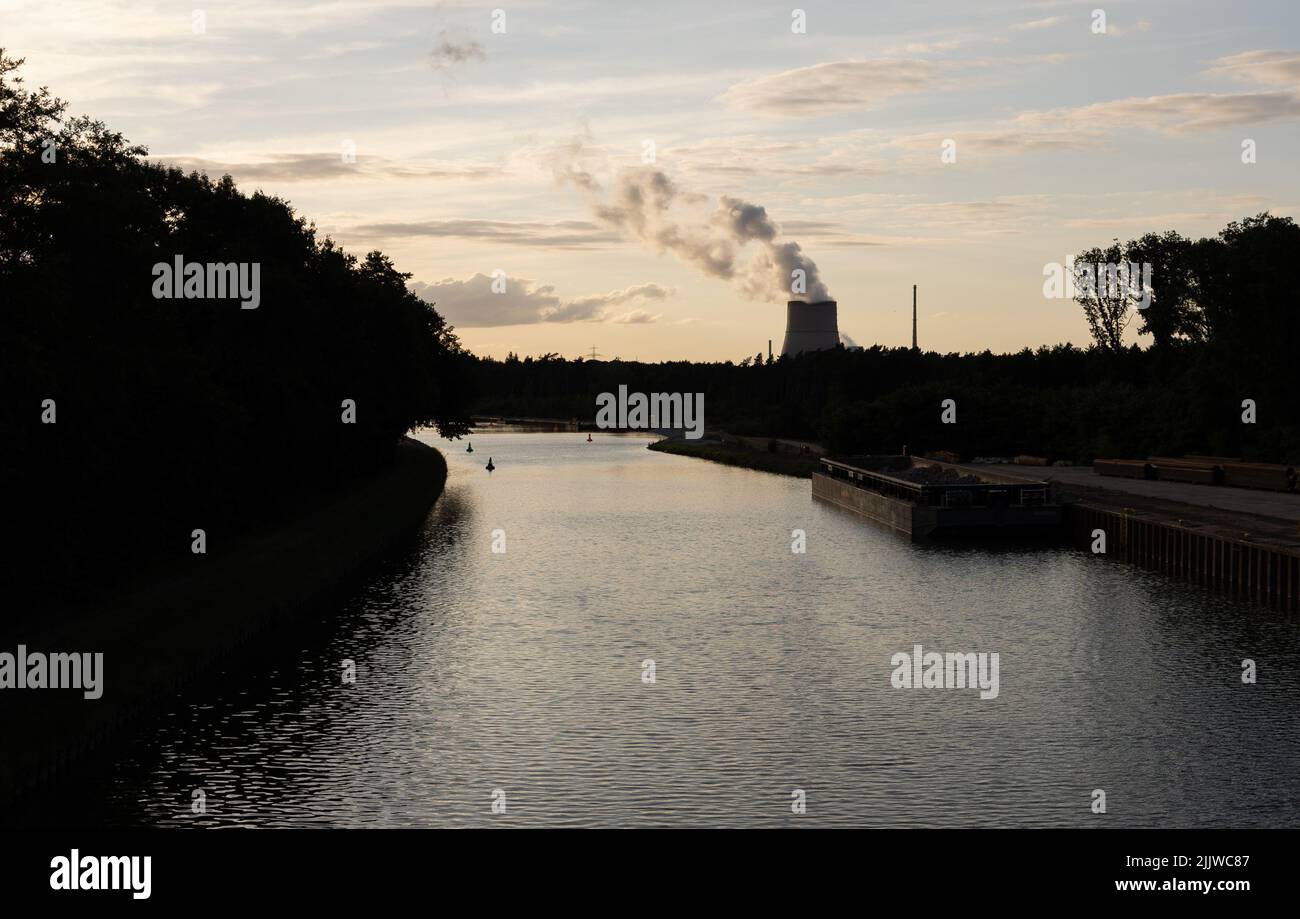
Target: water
{"type": "Point", "coordinates": [523, 672]}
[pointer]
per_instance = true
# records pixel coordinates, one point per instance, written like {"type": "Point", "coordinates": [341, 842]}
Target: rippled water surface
{"type": "Point", "coordinates": [523, 671]}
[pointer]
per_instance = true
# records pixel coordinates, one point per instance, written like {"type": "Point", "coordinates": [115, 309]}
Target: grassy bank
{"type": "Point", "coordinates": [737, 455]}
{"type": "Point", "coordinates": [204, 611]}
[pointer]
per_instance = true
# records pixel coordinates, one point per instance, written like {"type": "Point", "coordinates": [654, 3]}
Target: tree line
{"type": "Point", "coordinates": [127, 419]}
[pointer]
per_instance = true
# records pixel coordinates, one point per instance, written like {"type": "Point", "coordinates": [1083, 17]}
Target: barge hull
{"type": "Point", "coordinates": [919, 521]}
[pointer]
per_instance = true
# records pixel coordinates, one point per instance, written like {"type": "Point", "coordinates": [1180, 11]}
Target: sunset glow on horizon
{"type": "Point", "coordinates": [961, 150]}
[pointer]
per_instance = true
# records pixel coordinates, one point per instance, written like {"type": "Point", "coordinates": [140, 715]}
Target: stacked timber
{"type": "Point", "coordinates": [1266, 476]}
{"type": "Point", "coordinates": [1171, 469]}
{"type": "Point", "coordinates": [1203, 470]}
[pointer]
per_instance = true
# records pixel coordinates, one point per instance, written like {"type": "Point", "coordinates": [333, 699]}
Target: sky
{"type": "Point", "coordinates": [641, 179]}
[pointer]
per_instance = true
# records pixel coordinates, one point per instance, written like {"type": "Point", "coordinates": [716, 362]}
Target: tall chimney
{"type": "Point", "coordinates": [913, 317]}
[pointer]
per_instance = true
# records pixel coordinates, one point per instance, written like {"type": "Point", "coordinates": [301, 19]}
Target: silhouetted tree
{"type": "Point", "coordinates": [1174, 310]}
{"type": "Point", "coordinates": [170, 411]}
{"type": "Point", "coordinates": [1105, 300]}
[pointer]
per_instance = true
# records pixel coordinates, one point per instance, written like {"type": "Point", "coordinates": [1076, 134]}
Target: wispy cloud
{"type": "Point", "coordinates": [1001, 214]}
{"type": "Point", "coordinates": [1178, 113]}
{"type": "Point", "coordinates": [758, 156]}
{"type": "Point", "coordinates": [481, 301]}
{"type": "Point", "coordinates": [304, 167]}
{"type": "Point", "coordinates": [1005, 139]}
{"type": "Point", "coordinates": [1036, 24]}
{"type": "Point", "coordinates": [339, 49]}
{"type": "Point", "coordinates": [1268, 68]}
{"type": "Point", "coordinates": [840, 86]}
{"type": "Point", "coordinates": [943, 45]}
{"type": "Point", "coordinates": [598, 307]}
{"type": "Point", "coordinates": [564, 234]}
{"type": "Point", "coordinates": [1142, 25]}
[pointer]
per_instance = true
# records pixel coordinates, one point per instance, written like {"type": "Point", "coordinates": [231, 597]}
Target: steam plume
{"type": "Point", "coordinates": [641, 205]}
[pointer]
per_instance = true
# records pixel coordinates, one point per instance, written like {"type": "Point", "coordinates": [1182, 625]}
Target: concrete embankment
{"type": "Point", "coordinates": [1253, 557]}
{"type": "Point", "coordinates": [176, 630]}
{"type": "Point", "coordinates": [1240, 541]}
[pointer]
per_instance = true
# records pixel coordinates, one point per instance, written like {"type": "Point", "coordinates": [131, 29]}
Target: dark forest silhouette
{"type": "Point", "coordinates": [175, 414]}
{"type": "Point", "coordinates": [1224, 329]}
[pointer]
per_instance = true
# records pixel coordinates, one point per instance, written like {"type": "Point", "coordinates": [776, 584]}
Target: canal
{"type": "Point", "coordinates": [647, 650]}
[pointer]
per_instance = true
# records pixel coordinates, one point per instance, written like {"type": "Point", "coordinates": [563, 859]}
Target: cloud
{"type": "Point", "coordinates": [901, 216]}
{"type": "Point", "coordinates": [565, 234]}
{"type": "Point", "coordinates": [311, 167]}
{"type": "Point", "coordinates": [826, 89]}
{"type": "Point", "coordinates": [1179, 113]}
{"type": "Point", "coordinates": [811, 227]}
{"type": "Point", "coordinates": [1144, 222]}
{"type": "Point", "coordinates": [636, 317]}
{"type": "Point", "coordinates": [1004, 140]}
{"type": "Point", "coordinates": [342, 48]}
{"type": "Point", "coordinates": [597, 307]}
{"type": "Point", "coordinates": [941, 46]}
{"type": "Point", "coordinates": [1093, 125]}
{"type": "Point", "coordinates": [472, 303]}
{"type": "Point", "coordinates": [1089, 126]}
{"type": "Point", "coordinates": [745, 155]}
{"type": "Point", "coordinates": [1007, 214]}
{"type": "Point", "coordinates": [1268, 68]}
{"type": "Point", "coordinates": [855, 86]}
{"type": "Point", "coordinates": [1036, 24]}
{"type": "Point", "coordinates": [90, 25]}
{"type": "Point", "coordinates": [1139, 26]}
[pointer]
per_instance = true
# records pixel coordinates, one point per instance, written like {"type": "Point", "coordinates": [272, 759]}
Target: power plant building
{"type": "Point", "coordinates": [810, 327]}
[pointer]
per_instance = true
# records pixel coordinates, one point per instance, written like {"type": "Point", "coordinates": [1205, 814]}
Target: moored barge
{"type": "Point", "coordinates": [921, 498]}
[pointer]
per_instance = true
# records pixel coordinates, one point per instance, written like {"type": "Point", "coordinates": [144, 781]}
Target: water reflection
{"type": "Point", "coordinates": [522, 671]}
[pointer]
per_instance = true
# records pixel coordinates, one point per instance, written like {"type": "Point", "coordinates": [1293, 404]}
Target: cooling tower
{"type": "Point", "coordinates": [810, 327]}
